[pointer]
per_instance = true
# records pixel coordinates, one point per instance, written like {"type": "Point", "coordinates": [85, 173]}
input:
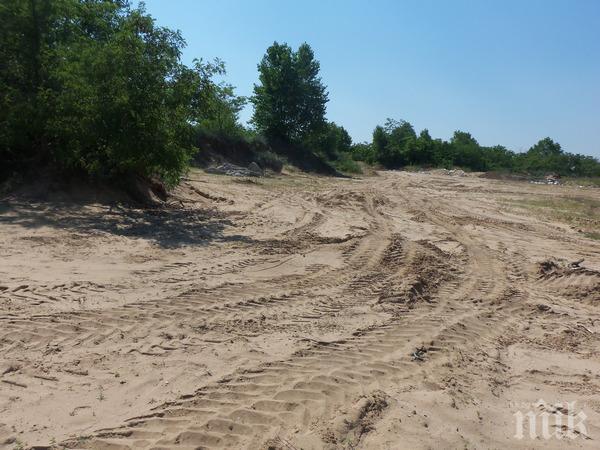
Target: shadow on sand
{"type": "Point", "coordinates": [166, 227]}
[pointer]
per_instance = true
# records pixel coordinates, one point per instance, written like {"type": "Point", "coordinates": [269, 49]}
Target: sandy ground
{"type": "Point", "coordinates": [396, 311]}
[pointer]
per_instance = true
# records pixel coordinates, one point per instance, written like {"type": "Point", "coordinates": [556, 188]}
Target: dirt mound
{"type": "Point", "coordinates": [570, 279]}
{"type": "Point", "coordinates": [425, 271]}
{"type": "Point", "coordinates": [561, 267]}
{"type": "Point", "coordinates": [216, 150]}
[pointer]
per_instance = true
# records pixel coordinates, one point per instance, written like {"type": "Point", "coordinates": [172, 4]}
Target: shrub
{"type": "Point", "coordinates": [266, 159]}
{"type": "Point", "coordinates": [346, 164]}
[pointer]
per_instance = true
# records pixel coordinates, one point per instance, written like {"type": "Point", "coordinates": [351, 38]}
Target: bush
{"type": "Point", "coordinates": [266, 159]}
{"type": "Point", "coordinates": [238, 148]}
{"type": "Point", "coordinates": [346, 164]}
{"type": "Point", "coordinates": [96, 87]}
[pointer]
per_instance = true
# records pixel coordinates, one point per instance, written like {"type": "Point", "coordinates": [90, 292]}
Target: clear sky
{"type": "Point", "coordinates": [510, 72]}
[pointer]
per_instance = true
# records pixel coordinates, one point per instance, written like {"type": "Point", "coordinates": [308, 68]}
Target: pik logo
{"type": "Point", "coordinates": [551, 421]}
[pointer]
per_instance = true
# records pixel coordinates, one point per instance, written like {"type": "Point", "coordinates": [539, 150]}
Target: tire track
{"type": "Point", "coordinates": [248, 409]}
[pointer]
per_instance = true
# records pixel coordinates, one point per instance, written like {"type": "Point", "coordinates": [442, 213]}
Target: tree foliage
{"type": "Point", "coordinates": [396, 145]}
{"type": "Point", "coordinates": [95, 86]}
{"type": "Point", "coordinates": [290, 99]}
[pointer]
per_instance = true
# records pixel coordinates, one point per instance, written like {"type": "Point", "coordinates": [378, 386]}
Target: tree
{"type": "Point", "coordinates": [290, 99]}
{"type": "Point", "coordinates": [363, 151]}
{"type": "Point", "coordinates": [125, 101]}
{"type": "Point", "coordinates": [332, 142]}
{"type": "Point", "coordinates": [95, 86]}
{"type": "Point", "coordinates": [25, 37]}
{"type": "Point", "coordinates": [217, 108]}
{"type": "Point", "coordinates": [399, 131]}
{"type": "Point", "coordinates": [423, 150]}
{"type": "Point", "coordinates": [467, 152]}
{"type": "Point", "coordinates": [380, 146]}
{"type": "Point", "coordinates": [545, 148]}
{"type": "Point", "coordinates": [545, 156]}
{"type": "Point", "coordinates": [343, 139]}
{"type": "Point", "coordinates": [498, 158]}
{"type": "Point", "coordinates": [394, 143]}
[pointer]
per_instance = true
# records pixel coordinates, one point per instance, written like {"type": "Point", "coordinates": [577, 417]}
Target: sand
{"type": "Point", "coordinates": [397, 311]}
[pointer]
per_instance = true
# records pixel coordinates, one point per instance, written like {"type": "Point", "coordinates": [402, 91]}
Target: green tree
{"type": "Point", "coordinates": [394, 143]}
{"type": "Point", "coordinates": [218, 107]}
{"type": "Point", "coordinates": [466, 151]}
{"type": "Point", "coordinates": [25, 41]}
{"type": "Point", "coordinates": [545, 148]}
{"type": "Point", "coordinates": [423, 149]}
{"type": "Point", "coordinates": [290, 99]}
{"type": "Point", "coordinates": [95, 86]}
{"type": "Point", "coordinates": [363, 151]}
{"type": "Point", "coordinates": [124, 106]}
{"type": "Point", "coordinates": [442, 154]}
{"type": "Point", "coordinates": [332, 142]}
{"type": "Point", "coordinates": [545, 156]}
{"type": "Point", "coordinates": [343, 139]}
{"type": "Point", "coordinates": [380, 146]}
{"type": "Point", "coordinates": [498, 158]}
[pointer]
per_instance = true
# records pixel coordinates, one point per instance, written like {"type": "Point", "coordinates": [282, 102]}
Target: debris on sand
{"type": "Point", "coordinates": [554, 267]}
{"type": "Point", "coordinates": [448, 172]}
{"type": "Point", "coordinates": [548, 267]}
{"type": "Point", "coordinates": [454, 172]}
{"type": "Point", "coordinates": [358, 420]}
{"type": "Point", "coordinates": [571, 279]}
{"type": "Point", "coordinates": [419, 353]}
{"type": "Point", "coordinates": [253, 170]}
{"type": "Point", "coordinates": [543, 308]}
{"type": "Point", "coordinates": [576, 264]}
{"type": "Point", "coordinates": [551, 179]}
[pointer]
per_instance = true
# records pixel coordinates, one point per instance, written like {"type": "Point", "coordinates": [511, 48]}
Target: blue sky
{"type": "Point", "coordinates": [509, 72]}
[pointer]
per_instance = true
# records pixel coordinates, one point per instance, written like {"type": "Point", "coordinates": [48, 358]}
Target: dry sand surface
{"type": "Point", "coordinates": [403, 310]}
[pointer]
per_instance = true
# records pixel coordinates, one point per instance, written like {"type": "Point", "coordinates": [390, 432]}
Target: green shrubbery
{"type": "Point", "coordinates": [396, 145]}
{"type": "Point", "coordinates": [95, 87]}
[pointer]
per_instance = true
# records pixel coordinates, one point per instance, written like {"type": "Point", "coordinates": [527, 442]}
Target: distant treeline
{"type": "Point", "coordinates": [96, 87]}
{"type": "Point", "coordinates": [396, 145]}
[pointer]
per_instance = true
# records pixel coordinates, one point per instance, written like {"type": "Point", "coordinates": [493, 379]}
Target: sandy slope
{"type": "Point", "coordinates": [397, 311]}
